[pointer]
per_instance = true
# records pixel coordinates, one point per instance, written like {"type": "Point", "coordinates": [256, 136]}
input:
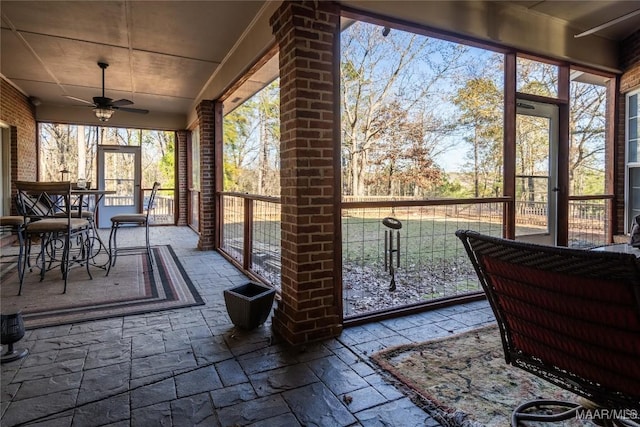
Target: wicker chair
{"type": "Point", "coordinates": [569, 316]}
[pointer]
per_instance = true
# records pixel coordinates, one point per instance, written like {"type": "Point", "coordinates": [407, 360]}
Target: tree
{"type": "Point", "coordinates": [269, 140]}
{"type": "Point", "coordinates": [379, 71]}
{"type": "Point", "coordinates": [252, 144]}
{"type": "Point", "coordinates": [480, 102]}
{"type": "Point", "coordinates": [58, 149]}
{"type": "Point", "coordinates": [158, 151]}
{"type": "Point", "coordinates": [403, 155]}
{"type": "Point", "coordinates": [239, 126]}
{"type": "Point", "coordinates": [587, 129]}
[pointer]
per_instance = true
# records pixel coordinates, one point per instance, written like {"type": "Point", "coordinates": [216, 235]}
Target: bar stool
{"type": "Point", "coordinates": [136, 220]}
{"type": "Point", "coordinates": [46, 207]}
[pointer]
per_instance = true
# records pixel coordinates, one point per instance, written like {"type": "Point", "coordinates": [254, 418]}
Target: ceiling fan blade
{"type": "Point", "coordinates": [121, 103]}
{"type": "Point", "coordinates": [78, 99]}
{"type": "Point", "coordinates": [132, 110]}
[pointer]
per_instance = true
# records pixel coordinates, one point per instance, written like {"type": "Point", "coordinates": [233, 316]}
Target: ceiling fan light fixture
{"type": "Point", "coordinates": [103, 114]}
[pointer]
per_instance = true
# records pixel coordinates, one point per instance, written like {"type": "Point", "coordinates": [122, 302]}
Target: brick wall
{"type": "Point", "coordinates": [182, 190]}
{"type": "Point", "coordinates": [630, 63]}
{"type": "Point", "coordinates": [206, 122]}
{"type": "Point", "coordinates": [630, 80]}
{"type": "Point", "coordinates": [17, 112]}
{"type": "Point", "coordinates": [310, 308]}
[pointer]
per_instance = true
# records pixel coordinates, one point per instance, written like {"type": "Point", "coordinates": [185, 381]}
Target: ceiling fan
{"type": "Point", "coordinates": [104, 107]}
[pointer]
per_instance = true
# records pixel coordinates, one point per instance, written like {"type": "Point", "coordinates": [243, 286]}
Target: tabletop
{"type": "Point", "coordinates": [89, 191]}
{"type": "Point", "coordinates": [619, 248]}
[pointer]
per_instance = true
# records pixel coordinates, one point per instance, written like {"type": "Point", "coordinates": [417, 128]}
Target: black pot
{"type": "Point", "coordinates": [249, 305]}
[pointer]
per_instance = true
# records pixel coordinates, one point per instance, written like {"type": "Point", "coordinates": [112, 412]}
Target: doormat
{"type": "Point", "coordinates": [131, 288]}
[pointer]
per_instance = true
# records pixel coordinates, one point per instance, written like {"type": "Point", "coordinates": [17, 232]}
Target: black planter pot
{"type": "Point", "coordinates": [249, 305]}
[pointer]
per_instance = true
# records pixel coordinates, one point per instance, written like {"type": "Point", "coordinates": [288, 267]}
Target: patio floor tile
{"type": "Point", "coordinates": [191, 366]}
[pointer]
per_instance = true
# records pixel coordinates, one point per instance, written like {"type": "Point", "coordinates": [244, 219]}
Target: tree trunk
{"type": "Point", "coordinates": [82, 154]}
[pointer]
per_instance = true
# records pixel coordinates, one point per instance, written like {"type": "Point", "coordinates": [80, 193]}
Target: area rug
{"type": "Point", "coordinates": [463, 380]}
{"type": "Point", "coordinates": [132, 287]}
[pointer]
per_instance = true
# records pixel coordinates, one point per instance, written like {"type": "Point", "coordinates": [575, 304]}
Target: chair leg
{"type": "Point", "coordinates": [149, 257]}
{"type": "Point", "coordinates": [113, 246]}
{"type": "Point", "coordinates": [520, 413]}
{"type": "Point", "coordinates": [25, 261]}
{"type": "Point", "coordinates": [65, 260]}
{"type": "Point", "coordinates": [21, 264]}
{"type": "Point", "coordinates": [89, 244]}
{"type": "Point", "coordinates": [43, 244]}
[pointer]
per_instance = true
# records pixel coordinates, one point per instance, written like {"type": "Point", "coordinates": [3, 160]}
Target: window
{"type": "Point", "coordinates": [587, 133]}
{"type": "Point", "coordinates": [251, 150]}
{"type": "Point", "coordinates": [74, 148]}
{"type": "Point", "coordinates": [422, 117]}
{"type": "Point", "coordinates": [590, 203]}
{"type": "Point", "coordinates": [632, 130]}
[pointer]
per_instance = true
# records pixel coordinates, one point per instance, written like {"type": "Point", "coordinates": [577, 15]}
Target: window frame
{"type": "Point", "coordinates": [629, 166]}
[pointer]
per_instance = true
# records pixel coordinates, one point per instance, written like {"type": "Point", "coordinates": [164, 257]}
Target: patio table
{"type": "Point", "coordinates": [81, 193]}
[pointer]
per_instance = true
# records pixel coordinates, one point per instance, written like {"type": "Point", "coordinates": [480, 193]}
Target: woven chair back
{"type": "Point", "coordinates": [569, 316]}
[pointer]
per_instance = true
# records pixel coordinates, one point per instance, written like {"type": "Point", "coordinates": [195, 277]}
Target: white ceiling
{"type": "Point", "coordinates": [166, 56]}
{"type": "Point", "coordinates": [587, 14]}
{"type": "Point", "coordinates": [161, 54]}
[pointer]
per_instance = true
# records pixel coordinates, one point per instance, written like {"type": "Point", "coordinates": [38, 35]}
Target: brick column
{"type": "Point", "coordinates": [311, 304]}
{"type": "Point", "coordinates": [181, 180]}
{"type": "Point", "coordinates": [206, 122]}
{"type": "Point", "coordinates": [17, 112]}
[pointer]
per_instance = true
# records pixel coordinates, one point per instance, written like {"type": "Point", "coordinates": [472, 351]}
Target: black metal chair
{"type": "Point", "coordinates": [132, 220]}
{"type": "Point", "coordinates": [569, 316]}
{"type": "Point", "coordinates": [48, 214]}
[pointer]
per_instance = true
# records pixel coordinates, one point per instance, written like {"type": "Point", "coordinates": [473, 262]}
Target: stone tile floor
{"type": "Point", "coordinates": [191, 367]}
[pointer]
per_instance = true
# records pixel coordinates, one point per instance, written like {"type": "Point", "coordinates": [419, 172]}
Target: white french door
{"type": "Point", "coordinates": [119, 170]}
{"type": "Point", "coordinates": [536, 172]}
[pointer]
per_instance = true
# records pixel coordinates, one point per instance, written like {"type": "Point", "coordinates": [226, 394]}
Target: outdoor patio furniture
{"type": "Point", "coordinates": [48, 215]}
{"type": "Point", "coordinates": [127, 220]}
{"type": "Point", "coordinates": [569, 316]}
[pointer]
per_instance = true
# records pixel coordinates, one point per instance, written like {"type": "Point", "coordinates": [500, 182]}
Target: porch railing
{"type": "Point", "coordinates": [164, 210]}
{"type": "Point", "coordinates": [251, 234]}
{"type": "Point", "coordinates": [590, 220]}
{"type": "Point", "coordinates": [433, 265]}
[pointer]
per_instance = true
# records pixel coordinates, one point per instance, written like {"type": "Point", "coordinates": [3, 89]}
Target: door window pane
{"type": "Point", "coordinates": [532, 175]}
{"type": "Point", "coordinates": [119, 176]}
